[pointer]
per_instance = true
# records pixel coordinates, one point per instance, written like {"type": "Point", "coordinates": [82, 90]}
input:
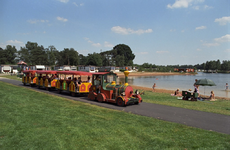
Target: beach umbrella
{"type": "Point", "coordinates": [205, 82]}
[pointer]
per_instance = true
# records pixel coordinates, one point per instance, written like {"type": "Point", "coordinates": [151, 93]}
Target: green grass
{"type": "Point", "coordinates": [34, 120]}
{"type": "Point", "coordinates": [14, 77]}
{"type": "Point", "coordinates": [219, 106]}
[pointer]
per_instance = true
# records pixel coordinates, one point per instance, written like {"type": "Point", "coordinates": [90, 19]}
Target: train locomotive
{"type": "Point", "coordinates": [105, 89]}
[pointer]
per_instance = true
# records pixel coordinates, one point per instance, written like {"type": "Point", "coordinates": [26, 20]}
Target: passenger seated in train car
{"type": "Point", "coordinates": [40, 76]}
{"type": "Point", "coordinates": [75, 81]}
{"type": "Point", "coordinates": [32, 75]}
{"type": "Point", "coordinates": [97, 83]}
{"type": "Point", "coordinates": [88, 80]}
{"type": "Point", "coordinates": [78, 83]}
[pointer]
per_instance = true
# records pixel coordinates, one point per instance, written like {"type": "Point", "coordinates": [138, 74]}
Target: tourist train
{"type": "Point", "coordinates": [103, 88]}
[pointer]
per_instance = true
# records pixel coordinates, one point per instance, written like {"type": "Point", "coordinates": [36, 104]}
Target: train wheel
{"type": "Point", "coordinates": [59, 91]}
{"type": "Point", "coordinates": [38, 87]}
{"type": "Point", "coordinates": [100, 97]}
{"type": "Point", "coordinates": [24, 84]}
{"type": "Point", "coordinates": [120, 102]}
{"type": "Point", "coordinates": [47, 89]}
{"type": "Point", "coordinates": [92, 95]}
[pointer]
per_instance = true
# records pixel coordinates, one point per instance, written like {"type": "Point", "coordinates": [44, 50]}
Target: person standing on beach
{"type": "Point", "coordinates": [154, 86]}
{"type": "Point", "coordinates": [226, 86]}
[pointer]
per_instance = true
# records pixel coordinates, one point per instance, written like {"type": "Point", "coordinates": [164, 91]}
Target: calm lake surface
{"type": "Point", "coordinates": [185, 82]}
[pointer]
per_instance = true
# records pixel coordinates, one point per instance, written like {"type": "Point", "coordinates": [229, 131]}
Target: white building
{"type": "Point", "coordinates": [5, 69]}
{"type": "Point", "coordinates": [87, 68]}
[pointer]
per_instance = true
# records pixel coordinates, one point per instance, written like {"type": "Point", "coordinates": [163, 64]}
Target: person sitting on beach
{"type": "Point", "coordinates": [176, 93]}
{"type": "Point", "coordinates": [212, 96]}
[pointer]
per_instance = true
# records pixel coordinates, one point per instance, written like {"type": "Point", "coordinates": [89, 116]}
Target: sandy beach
{"type": "Point", "coordinates": [120, 74]}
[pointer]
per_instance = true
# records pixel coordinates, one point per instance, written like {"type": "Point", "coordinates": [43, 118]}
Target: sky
{"type": "Point", "coordinates": [161, 32]}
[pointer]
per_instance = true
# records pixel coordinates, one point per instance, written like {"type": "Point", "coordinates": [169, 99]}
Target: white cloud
{"type": "Point", "coordinates": [196, 7]}
{"type": "Point", "coordinates": [37, 21]}
{"type": "Point", "coordinates": [173, 30]}
{"type": "Point", "coordinates": [92, 43]}
{"type": "Point", "coordinates": [15, 43]}
{"type": "Point", "coordinates": [199, 49]}
{"type": "Point", "coordinates": [225, 38]}
{"type": "Point", "coordinates": [211, 44]}
{"type": "Point", "coordinates": [162, 52]}
{"type": "Point", "coordinates": [82, 4]}
{"type": "Point", "coordinates": [185, 4]}
{"type": "Point", "coordinates": [207, 7]}
{"type": "Point", "coordinates": [64, 1]}
{"type": "Point", "coordinates": [223, 21]}
{"type": "Point", "coordinates": [143, 53]}
{"type": "Point", "coordinates": [201, 27]}
{"type": "Point", "coordinates": [180, 4]}
{"type": "Point", "coordinates": [62, 19]}
{"type": "Point", "coordinates": [125, 31]}
{"type": "Point", "coordinates": [227, 50]}
{"type": "Point", "coordinates": [107, 44]}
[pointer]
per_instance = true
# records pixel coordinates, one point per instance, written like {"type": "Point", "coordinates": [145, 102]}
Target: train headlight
{"type": "Point", "coordinates": [123, 93]}
{"type": "Point", "coordinates": [137, 92]}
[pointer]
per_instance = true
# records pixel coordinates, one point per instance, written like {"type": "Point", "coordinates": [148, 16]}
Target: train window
{"type": "Point", "coordinates": [109, 78]}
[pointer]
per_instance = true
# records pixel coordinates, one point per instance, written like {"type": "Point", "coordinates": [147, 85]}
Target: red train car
{"type": "Point", "coordinates": [105, 89]}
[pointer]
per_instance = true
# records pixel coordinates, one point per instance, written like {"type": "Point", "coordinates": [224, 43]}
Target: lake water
{"type": "Point", "coordinates": [185, 82]}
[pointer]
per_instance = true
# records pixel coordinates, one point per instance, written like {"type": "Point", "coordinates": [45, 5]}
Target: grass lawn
{"type": "Point", "coordinates": [14, 77]}
{"type": "Point", "coordinates": [219, 106]}
{"type": "Point", "coordinates": [34, 120]}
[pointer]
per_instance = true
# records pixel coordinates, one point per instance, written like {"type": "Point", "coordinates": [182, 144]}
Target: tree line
{"type": "Point", "coordinates": [208, 66]}
{"type": "Point", "coordinates": [34, 54]}
{"type": "Point", "coordinates": [120, 55]}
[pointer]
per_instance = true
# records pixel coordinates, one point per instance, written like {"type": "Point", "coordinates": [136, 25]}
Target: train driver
{"type": "Point", "coordinates": [97, 82]}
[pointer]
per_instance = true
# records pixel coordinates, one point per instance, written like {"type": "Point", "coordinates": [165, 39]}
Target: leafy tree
{"type": "Point", "coordinates": [94, 59]}
{"type": "Point", "coordinates": [82, 59]}
{"type": "Point", "coordinates": [10, 52]}
{"type": "Point", "coordinates": [68, 57]}
{"type": "Point", "coordinates": [3, 59]}
{"type": "Point", "coordinates": [122, 49]}
{"type": "Point", "coordinates": [225, 66]}
{"type": "Point", "coordinates": [52, 55]}
{"type": "Point", "coordinates": [33, 54]}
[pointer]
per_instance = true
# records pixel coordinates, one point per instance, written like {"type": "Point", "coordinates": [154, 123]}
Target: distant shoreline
{"type": "Point", "coordinates": [120, 74]}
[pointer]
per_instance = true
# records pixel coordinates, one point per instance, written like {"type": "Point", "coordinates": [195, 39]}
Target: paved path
{"type": "Point", "coordinates": [199, 119]}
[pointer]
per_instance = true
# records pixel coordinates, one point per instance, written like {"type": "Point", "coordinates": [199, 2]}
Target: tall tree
{"type": "Point", "coordinates": [10, 52]}
{"type": "Point", "coordinates": [3, 59]}
{"type": "Point", "coordinates": [125, 50]}
{"type": "Point", "coordinates": [94, 59]}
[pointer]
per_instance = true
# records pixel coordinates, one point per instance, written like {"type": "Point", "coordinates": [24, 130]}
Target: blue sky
{"type": "Point", "coordinates": [161, 32]}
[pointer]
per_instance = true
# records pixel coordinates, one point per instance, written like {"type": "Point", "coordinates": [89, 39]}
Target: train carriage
{"type": "Point", "coordinates": [29, 77]}
{"type": "Point", "coordinates": [68, 82]}
{"type": "Point", "coordinates": [105, 89]}
{"type": "Point", "coordinates": [46, 79]}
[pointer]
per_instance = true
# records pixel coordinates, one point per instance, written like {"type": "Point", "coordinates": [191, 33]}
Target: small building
{"type": "Point", "coordinates": [87, 68]}
{"type": "Point", "coordinates": [73, 68]}
{"type": "Point", "coordinates": [109, 68]}
{"type": "Point", "coordinates": [62, 68]}
{"type": "Point", "coordinates": [14, 69]}
{"type": "Point", "coordinates": [184, 69]}
{"type": "Point", "coordinates": [5, 69]}
{"type": "Point", "coordinates": [37, 67]}
{"type": "Point", "coordinates": [127, 68]}
{"type": "Point", "coordinates": [22, 65]}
